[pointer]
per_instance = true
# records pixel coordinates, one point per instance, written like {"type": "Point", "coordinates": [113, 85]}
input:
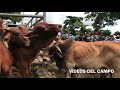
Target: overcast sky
{"type": "Point", "coordinates": [59, 17]}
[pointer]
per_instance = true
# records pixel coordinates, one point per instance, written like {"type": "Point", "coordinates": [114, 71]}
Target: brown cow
{"type": "Point", "coordinates": [13, 33]}
{"type": "Point", "coordinates": [88, 55]}
{"type": "Point", "coordinates": [6, 61]}
{"type": "Point", "coordinates": [43, 34]}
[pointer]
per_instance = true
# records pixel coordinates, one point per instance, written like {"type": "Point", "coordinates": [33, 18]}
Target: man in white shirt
{"type": "Point", "coordinates": [117, 39]}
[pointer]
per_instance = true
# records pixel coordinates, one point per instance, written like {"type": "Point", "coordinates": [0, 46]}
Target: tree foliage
{"type": "Point", "coordinates": [117, 33]}
{"type": "Point", "coordinates": [77, 32]}
{"type": "Point", "coordinates": [102, 19]}
{"type": "Point", "coordinates": [14, 19]}
{"type": "Point", "coordinates": [105, 32]}
{"type": "Point", "coordinates": [74, 25]}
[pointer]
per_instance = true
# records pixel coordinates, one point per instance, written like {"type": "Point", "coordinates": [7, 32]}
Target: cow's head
{"type": "Point", "coordinates": [57, 54]}
{"type": "Point", "coordinates": [15, 38]}
{"type": "Point", "coordinates": [44, 34]}
{"type": "Point", "coordinates": [51, 28]}
{"type": "Point", "coordinates": [23, 29]}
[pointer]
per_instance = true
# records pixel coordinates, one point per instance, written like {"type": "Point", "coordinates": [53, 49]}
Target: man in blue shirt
{"type": "Point", "coordinates": [72, 36]}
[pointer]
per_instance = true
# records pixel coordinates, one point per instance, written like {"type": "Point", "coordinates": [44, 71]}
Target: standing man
{"type": "Point", "coordinates": [72, 36]}
{"type": "Point", "coordinates": [117, 38]}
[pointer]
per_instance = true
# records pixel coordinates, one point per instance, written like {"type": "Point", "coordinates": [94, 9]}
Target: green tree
{"type": "Point", "coordinates": [102, 19]}
{"type": "Point", "coordinates": [85, 29]}
{"type": "Point", "coordinates": [105, 32]}
{"type": "Point", "coordinates": [117, 33]}
{"type": "Point", "coordinates": [14, 19]}
{"type": "Point", "coordinates": [89, 30]}
{"type": "Point", "coordinates": [72, 23]}
{"type": "Point", "coordinates": [77, 32]}
{"type": "Point", "coordinates": [66, 31]}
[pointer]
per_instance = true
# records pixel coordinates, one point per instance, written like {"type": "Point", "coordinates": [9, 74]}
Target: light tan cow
{"type": "Point", "coordinates": [90, 55]}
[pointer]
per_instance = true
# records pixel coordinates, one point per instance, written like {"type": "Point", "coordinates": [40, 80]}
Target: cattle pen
{"type": "Point", "coordinates": [29, 24]}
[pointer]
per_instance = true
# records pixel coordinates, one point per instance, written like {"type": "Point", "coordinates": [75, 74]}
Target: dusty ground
{"type": "Point", "coordinates": [51, 72]}
{"type": "Point", "coordinates": [53, 68]}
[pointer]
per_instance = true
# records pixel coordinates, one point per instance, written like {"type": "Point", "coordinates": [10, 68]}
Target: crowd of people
{"type": "Point", "coordinates": [91, 37]}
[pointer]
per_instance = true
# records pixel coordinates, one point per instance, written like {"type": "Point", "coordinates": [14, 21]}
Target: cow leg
{"type": "Point", "coordinates": [25, 72]}
{"type": "Point", "coordinates": [96, 75]}
{"type": "Point", "coordinates": [104, 75]}
{"type": "Point", "coordinates": [110, 75]}
{"type": "Point", "coordinates": [68, 68]}
{"type": "Point", "coordinates": [67, 74]}
{"type": "Point", "coordinates": [70, 75]}
{"type": "Point", "coordinates": [75, 75]}
{"type": "Point", "coordinates": [6, 72]}
{"type": "Point", "coordinates": [116, 74]}
{"type": "Point", "coordinates": [24, 69]}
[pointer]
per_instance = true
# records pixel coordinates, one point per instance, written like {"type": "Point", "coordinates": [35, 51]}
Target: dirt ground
{"type": "Point", "coordinates": [53, 68]}
{"type": "Point", "coordinates": [50, 72]}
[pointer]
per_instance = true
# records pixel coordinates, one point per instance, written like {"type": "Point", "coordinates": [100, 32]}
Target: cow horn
{"type": "Point", "coordinates": [50, 55]}
{"type": "Point", "coordinates": [59, 49]}
{"type": "Point", "coordinates": [7, 29]}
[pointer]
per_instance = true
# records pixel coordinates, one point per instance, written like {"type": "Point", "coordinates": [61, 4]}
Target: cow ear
{"type": "Point", "coordinates": [20, 26]}
{"type": "Point", "coordinates": [7, 30]}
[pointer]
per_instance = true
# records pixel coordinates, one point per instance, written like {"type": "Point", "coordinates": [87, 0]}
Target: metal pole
{"type": "Point", "coordinates": [36, 22]}
{"type": "Point", "coordinates": [23, 19]}
{"type": "Point", "coordinates": [19, 15]}
{"type": "Point", "coordinates": [44, 16]}
{"type": "Point", "coordinates": [32, 18]}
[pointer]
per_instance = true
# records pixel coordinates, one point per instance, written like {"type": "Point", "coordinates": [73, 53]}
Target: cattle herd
{"type": "Point", "coordinates": [23, 49]}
